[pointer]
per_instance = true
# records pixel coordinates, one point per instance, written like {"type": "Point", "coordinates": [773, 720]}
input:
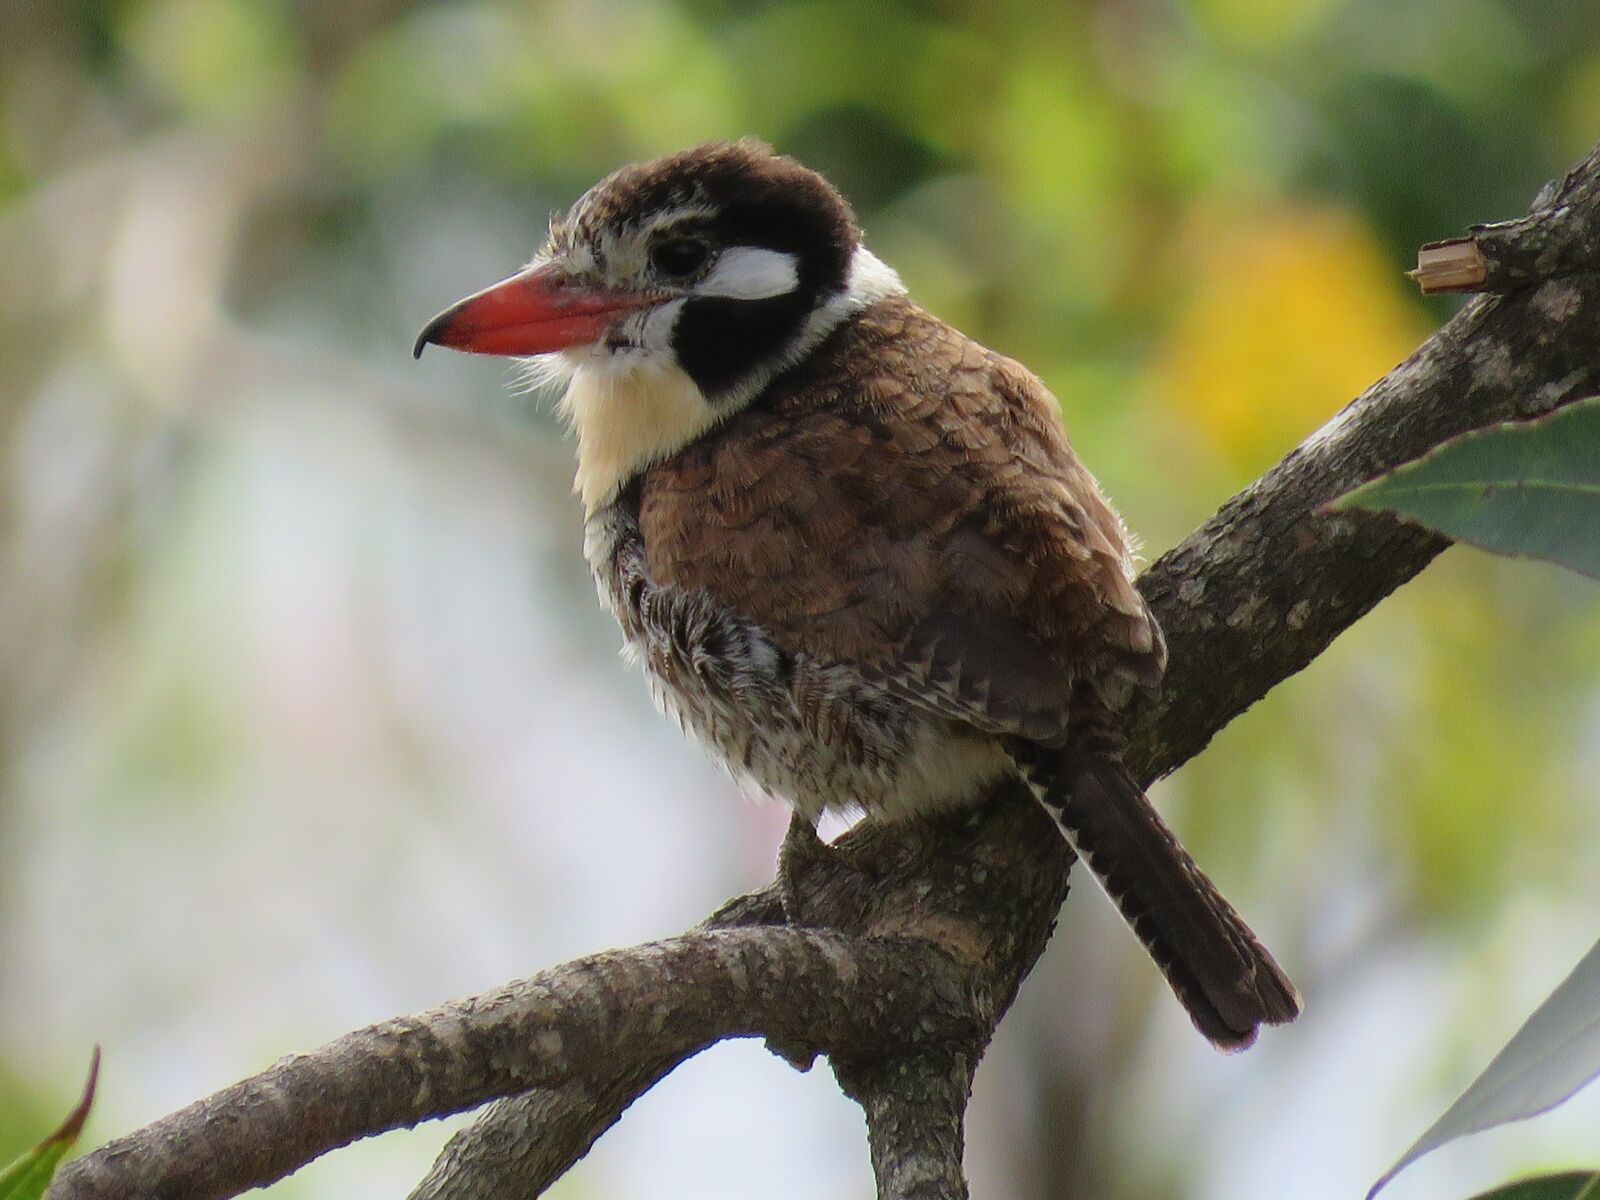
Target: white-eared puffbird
{"type": "Point", "coordinates": [853, 549]}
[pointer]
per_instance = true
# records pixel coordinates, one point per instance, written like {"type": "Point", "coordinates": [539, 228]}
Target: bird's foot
{"type": "Point", "coordinates": [802, 849]}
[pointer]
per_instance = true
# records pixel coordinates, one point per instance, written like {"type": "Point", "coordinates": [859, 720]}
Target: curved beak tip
{"type": "Point", "coordinates": [430, 333]}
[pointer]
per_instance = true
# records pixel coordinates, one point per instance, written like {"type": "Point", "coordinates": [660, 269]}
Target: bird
{"type": "Point", "coordinates": [853, 550]}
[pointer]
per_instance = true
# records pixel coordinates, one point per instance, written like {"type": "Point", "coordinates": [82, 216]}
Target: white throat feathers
{"type": "Point", "coordinates": [631, 405]}
{"type": "Point", "coordinates": [628, 414]}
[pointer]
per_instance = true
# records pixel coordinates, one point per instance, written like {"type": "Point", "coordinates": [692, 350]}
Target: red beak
{"type": "Point", "coordinates": [535, 312]}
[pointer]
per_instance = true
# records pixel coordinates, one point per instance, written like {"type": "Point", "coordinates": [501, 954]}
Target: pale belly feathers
{"type": "Point", "coordinates": [817, 735]}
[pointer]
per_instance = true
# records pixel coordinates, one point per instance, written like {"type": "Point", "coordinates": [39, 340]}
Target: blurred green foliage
{"type": "Point", "coordinates": [1190, 218]}
{"type": "Point", "coordinates": [1570, 1185]}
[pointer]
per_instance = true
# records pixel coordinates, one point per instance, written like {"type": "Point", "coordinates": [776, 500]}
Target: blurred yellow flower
{"type": "Point", "coordinates": [1290, 314]}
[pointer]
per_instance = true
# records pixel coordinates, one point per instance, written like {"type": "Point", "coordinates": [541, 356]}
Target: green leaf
{"type": "Point", "coordinates": [1568, 1185]}
{"type": "Point", "coordinates": [1528, 488]}
{"type": "Point", "coordinates": [30, 1175]}
{"type": "Point", "coordinates": [1551, 1058]}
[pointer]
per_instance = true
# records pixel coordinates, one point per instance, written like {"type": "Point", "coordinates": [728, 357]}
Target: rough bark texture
{"type": "Point", "coordinates": [912, 940]}
{"type": "Point", "coordinates": [915, 1109]}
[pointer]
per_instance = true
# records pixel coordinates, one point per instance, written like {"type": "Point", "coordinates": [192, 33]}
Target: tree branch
{"type": "Point", "coordinates": [917, 935]}
{"type": "Point", "coordinates": [915, 1108]}
{"type": "Point", "coordinates": [659, 1003]}
{"type": "Point", "coordinates": [1555, 239]}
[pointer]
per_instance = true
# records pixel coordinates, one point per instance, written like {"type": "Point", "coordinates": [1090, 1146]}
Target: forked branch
{"type": "Point", "coordinates": [917, 936]}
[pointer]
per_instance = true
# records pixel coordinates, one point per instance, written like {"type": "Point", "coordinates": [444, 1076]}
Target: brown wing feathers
{"type": "Point", "coordinates": [907, 503]}
{"type": "Point", "coordinates": [904, 487]}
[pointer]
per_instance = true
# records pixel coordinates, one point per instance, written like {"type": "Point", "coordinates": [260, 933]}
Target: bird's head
{"type": "Point", "coordinates": [726, 262]}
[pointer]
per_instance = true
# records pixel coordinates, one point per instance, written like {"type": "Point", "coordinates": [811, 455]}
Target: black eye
{"type": "Point", "coordinates": [679, 256]}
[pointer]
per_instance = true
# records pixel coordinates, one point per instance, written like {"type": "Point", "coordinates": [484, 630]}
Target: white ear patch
{"type": "Point", "coordinates": [751, 273]}
{"type": "Point", "coordinates": [871, 278]}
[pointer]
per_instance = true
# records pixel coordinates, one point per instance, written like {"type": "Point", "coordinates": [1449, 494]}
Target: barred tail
{"type": "Point", "coordinates": [1221, 974]}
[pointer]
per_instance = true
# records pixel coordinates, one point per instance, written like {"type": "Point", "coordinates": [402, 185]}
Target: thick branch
{"type": "Point", "coordinates": [1262, 588]}
{"type": "Point", "coordinates": [584, 1021]}
{"type": "Point", "coordinates": [933, 925]}
{"type": "Point", "coordinates": [915, 1108]}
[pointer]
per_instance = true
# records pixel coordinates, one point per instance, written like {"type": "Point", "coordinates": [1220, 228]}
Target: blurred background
{"type": "Point", "coordinates": [308, 716]}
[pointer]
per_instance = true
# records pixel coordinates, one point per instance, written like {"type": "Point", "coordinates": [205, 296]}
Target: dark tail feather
{"type": "Point", "coordinates": [1219, 971]}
